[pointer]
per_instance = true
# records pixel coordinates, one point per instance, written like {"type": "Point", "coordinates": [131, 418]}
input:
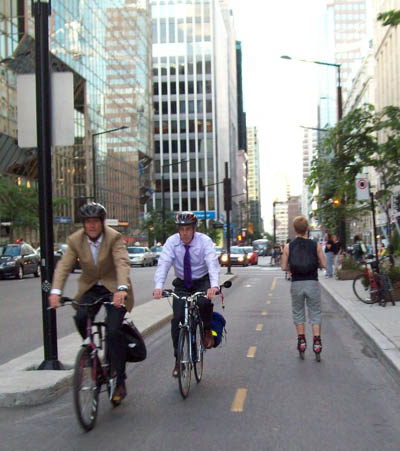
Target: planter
{"type": "Point", "coordinates": [348, 274]}
{"type": "Point", "coordinates": [396, 294]}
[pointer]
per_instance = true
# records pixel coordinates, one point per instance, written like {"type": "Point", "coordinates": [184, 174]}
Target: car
{"type": "Point", "coordinates": [238, 257]}
{"type": "Point", "coordinates": [16, 260]}
{"type": "Point", "coordinates": [58, 253]}
{"type": "Point", "coordinates": [156, 253]}
{"type": "Point", "coordinates": [139, 255]}
{"type": "Point", "coordinates": [252, 255]}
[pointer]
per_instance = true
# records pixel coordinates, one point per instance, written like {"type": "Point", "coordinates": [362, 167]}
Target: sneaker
{"type": "Point", "coordinates": [317, 345]}
{"type": "Point", "coordinates": [175, 371]}
{"type": "Point", "coordinates": [119, 394]}
{"type": "Point", "coordinates": [208, 339]}
{"type": "Point", "coordinates": [301, 343]}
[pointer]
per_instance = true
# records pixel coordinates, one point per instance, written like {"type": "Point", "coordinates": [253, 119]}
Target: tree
{"type": "Point", "coordinates": [152, 224]}
{"type": "Point", "coordinates": [391, 17]}
{"type": "Point", "coordinates": [363, 138]}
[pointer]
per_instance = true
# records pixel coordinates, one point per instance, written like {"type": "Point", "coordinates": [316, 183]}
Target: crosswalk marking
{"type": "Point", "coordinates": [240, 398]}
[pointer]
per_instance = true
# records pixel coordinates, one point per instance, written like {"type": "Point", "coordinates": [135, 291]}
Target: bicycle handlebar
{"type": "Point", "coordinates": [102, 300]}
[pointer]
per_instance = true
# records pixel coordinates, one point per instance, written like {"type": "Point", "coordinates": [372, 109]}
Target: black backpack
{"type": "Point", "coordinates": [303, 258]}
{"type": "Point", "coordinates": [136, 348]}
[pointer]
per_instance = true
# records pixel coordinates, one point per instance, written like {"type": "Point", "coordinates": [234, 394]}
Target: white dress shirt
{"type": "Point", "coordinates": [203, 259]}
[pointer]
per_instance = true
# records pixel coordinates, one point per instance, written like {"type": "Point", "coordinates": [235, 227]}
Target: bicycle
{"type": "Point", "coordinates": [371, 287]}
{"type": "Point", "coordinates": [191, 347]}
{"type": "Point", "coordinates": [92, 367]}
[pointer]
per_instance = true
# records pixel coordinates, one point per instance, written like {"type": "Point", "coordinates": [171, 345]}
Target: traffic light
{"type": "Point", "coordinates": [336, 201]}
{"type": "Point", "coordinates": [239, 237]}
{"type": "Point", "coordinates": [227, 194]}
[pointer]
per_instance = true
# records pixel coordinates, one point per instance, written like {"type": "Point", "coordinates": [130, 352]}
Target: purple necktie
{"type": "Point", "coordinates": [187, 269]}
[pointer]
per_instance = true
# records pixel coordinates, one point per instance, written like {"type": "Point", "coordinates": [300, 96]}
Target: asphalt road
{"type": "Point", "coordinates": [21, 328]}
{"type": "Point", "coordinates": [346, 402]}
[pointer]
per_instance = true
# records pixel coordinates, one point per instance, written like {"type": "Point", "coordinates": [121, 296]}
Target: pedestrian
{"type": "Point", "coordinates": [337, 253]}
{"type": "Point", "coordinates": [359, 248]}
{"type": "Point", "coordinates": [304, 256]}
{"type": "Point", "coordinates": [329, 254]}
{"type": "Point", "coordinates": [105, 269]}
{"type": "Point", "coordinates": [195, 261]}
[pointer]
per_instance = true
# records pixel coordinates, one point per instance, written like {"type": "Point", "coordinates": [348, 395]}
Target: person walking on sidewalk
{"type": "Point", "coordinates": [304, 256]}
{"type": "Point", "coordinates": [105, 269]}
{"type": "Point", "coordinates": [196, 268]}
{"type": "Point", "coordinates": [329, 254]}
{"type": "Point", "coordinates": [337, 252]}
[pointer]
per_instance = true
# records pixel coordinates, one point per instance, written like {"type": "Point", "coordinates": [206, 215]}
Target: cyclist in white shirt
{"type": "Point", "coordinates": [195, 261]}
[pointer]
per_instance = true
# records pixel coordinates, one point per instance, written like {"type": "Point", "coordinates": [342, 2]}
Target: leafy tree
{"type": "Point", "coordinates": [363, 138]}
{"type": "Point", "coordinates": [391, 17]}
{"type": "Point", "coordinates": [153, 225]}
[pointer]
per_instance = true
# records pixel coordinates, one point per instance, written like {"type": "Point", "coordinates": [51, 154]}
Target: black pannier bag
{"type": "Point", "coordinates": [136, 348]}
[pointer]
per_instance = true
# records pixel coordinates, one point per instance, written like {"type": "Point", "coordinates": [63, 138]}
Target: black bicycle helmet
{"type": "Point", "coordinates": [186, 218]}
{"type": "Point", "coordinates": [93, 210]}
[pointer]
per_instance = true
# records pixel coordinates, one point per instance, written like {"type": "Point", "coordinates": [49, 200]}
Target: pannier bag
{"type": "Point", "coordinates": [218, 328]}
{"type": "Point", "coordinates": [136, 348]}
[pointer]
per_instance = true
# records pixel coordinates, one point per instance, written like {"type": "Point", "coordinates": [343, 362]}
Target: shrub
{"type": "Point", "coordinates": [350, 263]}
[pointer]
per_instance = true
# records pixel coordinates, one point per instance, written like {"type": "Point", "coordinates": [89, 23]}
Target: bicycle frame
{"type": "Point", "coordinates": [190, 308]}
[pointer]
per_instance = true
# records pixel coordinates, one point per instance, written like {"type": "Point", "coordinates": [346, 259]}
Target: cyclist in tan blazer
{"type": "Point", "coordinates": [105, 269]}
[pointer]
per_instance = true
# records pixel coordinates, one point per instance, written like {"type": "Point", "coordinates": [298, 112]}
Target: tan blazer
{"type": "Point", "coordinates": [112, 269]}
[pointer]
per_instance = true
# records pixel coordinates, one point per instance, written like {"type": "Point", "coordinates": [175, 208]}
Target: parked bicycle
{"type": "Point", "coordinates": [371, 286]}
{"type": "Point", "coordinates": [92, 367]}
{"type": "Point", "coordinates": [191, 347]}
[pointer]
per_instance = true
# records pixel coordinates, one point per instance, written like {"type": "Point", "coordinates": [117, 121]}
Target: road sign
{"type": "Point", "coordinates": [362, 188]}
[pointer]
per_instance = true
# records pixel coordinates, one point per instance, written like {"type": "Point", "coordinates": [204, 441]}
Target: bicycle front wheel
{"type": "Point", "coordinates": [85, 390]}
{"type": "Point", "coordinates": [362, 289]}
{"type": "Point", "coordinates": [198, 350]}
{"type": "Point", "coordinates": [184, 363]}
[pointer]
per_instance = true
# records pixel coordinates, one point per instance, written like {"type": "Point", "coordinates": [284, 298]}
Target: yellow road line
{"type": "Point", "coordinates": [264, 313]}
{"type": "Point", "coordinates": [259, 327]}
{"type": "Point", "coordinates": [273, 284]}
{"type": "Point", "coordinates": [240, 398]}
{"type": "Point", "coordinates": [268, 301]}
{"type": "Point", "coordinates": [251, 352]}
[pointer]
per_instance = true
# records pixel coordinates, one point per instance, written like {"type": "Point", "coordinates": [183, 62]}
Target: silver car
{"type": "Point", "coordinates": [140, 256]}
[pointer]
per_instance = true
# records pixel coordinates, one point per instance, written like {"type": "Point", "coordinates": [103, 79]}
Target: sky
{"type": "Point", "coordinates": [279, 95]}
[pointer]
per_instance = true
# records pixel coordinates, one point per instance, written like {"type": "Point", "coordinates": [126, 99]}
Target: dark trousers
{"type": "Point", "coordinates": [178, 306]}
{"type": "Point", "coordinates": [116, 343]}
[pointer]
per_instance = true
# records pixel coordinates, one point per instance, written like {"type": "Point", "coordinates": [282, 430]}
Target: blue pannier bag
{"type": "Point", "coordinates": [218, 328]}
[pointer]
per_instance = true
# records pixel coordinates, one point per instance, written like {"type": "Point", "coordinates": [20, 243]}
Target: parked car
{"type": "Point", "coordinates": [156, 253]}
{"type": "Point", "coordinates": [252, 255]}
{"type": "Point", "coordinates": [238, 257]}
{"type": "Point", "coordinates": [16, 260]}
{"type": "Point", "coordinates": [58, 253]}
{"type": "Point", "coordinates": [140, 256]}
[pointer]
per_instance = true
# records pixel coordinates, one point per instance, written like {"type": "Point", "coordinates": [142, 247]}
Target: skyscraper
{"type": "Point", "coordinates": [195, 123]}
{"type": "Point", "coordinates": [253, 179]}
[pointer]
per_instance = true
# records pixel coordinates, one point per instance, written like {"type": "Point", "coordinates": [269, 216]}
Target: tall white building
{"type": "Point", "coordinates": [253, 179]}
{"type": "Point", "coordinates": [195, 105]}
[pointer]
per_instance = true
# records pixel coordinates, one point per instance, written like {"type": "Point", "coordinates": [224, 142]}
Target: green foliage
{"type": "Point", "coordinates": [350, 263]}
{"type": "Point", "coordinates": [153, 225]}
{"type": "Point", "coordinates": [394, 273]}
{"type": "Point", "coordinates": [388, 18]}
{"type": "Point", "coordinates": [363, 138]}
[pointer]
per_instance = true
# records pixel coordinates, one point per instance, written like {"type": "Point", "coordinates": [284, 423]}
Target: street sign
{"type": "Point", "coordinates": [62, 220]}
{"type": "Point", "coordinates": [362, 188]}
{"type": "Point", "coordinates": [200, 214]}
{"type": "Point", "coordinates": [112, 222]}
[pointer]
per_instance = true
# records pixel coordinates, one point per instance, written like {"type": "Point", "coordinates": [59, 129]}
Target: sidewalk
{"type": "Point", "coordinates": [21, 385]}
{"type": "Point", "coordinates": [379, 325]}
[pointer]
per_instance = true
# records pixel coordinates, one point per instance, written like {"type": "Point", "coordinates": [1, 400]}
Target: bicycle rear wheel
{"type": "Point", "coordinates": [198, 350]}
{"type": "Point", "coordinates": [85, 390]}
{"type": "Point", "coordinates": [362, 289]}
{"type": "Point", "coordinates": [184, 364]}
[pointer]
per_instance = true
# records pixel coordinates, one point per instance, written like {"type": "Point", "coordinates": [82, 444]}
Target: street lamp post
{"type": "Point", "coordinates": [163, 194]}
{"type": "Point", "coordinates": [94, 160]}
{"type": "Point", "coordinates": [339, 100]}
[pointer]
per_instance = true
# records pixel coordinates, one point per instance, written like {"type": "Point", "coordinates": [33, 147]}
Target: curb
{"type": "Point", "coordinates": [387, 353]}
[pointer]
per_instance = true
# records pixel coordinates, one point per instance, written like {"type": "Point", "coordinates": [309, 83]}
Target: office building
{"type": "Point", "coordinates": [253, 180]}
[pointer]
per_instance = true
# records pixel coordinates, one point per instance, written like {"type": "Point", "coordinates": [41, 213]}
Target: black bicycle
{"type": "Point", "coordinates": [191, 347]}
{"type": "Point", "coordinates": [92, 367]}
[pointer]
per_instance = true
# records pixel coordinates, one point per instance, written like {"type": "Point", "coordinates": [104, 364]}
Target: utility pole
{"type": "Point", "coordinates": [41, 10]}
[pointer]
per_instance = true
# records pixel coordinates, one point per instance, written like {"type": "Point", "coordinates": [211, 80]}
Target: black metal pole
{"type": "Point", "coordinates": [41, 12]}
{"type": "Point", "coordinates": [228, 225]}
{"type": "Point", "coordinates": [94, 169]}
{"type": "Point", "coordinates": [342, 221]}
{"type": "Point", "coordinates": [374, 228]}
{"type": "Point", "coordinates": [274, 221]}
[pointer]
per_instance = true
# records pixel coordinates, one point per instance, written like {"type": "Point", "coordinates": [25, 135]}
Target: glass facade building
{"type": "Point", "coordinates": [106, 44]}
{"type": "Point", "coordinates": [195, 131]}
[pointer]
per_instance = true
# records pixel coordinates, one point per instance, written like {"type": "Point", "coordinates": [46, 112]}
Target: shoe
{"type": "Point", "coordinates": [119, 394]}
{"type": "Point", "coordinates": [301, 343]}
{"type": "Point", "coordinates": [208, 339]}
{"type": "Point", "coordinates": [317, 345]}
{"type": "Point", "coordinates": [175, 371]}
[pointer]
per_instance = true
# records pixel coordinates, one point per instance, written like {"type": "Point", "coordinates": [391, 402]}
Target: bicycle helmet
{"type": "Point", "coordinates": [185, 218]}
{"type": "Point", "coordinates": [93, 210]}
